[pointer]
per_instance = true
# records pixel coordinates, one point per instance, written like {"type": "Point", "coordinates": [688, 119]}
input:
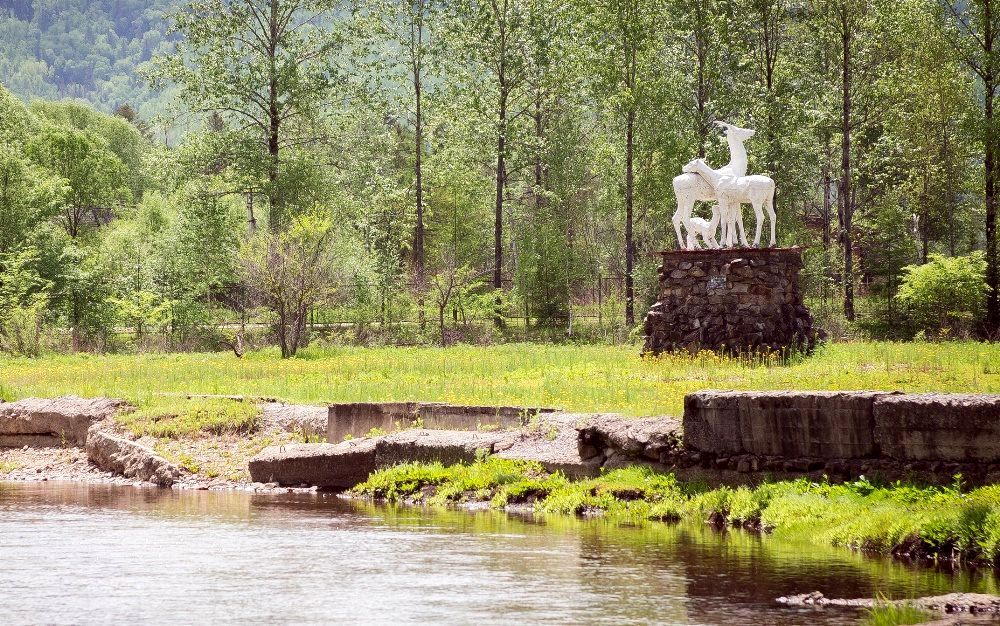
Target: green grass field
{"type": "Point", "coordinates": [580, 378]}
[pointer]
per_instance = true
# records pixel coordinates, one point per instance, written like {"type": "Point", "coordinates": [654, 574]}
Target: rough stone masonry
{"type": "Point", "coordinates": [729, 300]}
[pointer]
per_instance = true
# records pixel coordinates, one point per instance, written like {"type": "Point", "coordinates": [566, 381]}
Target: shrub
{"type": "Point", "coordinates": [291, 272]}
{"type": "Point", "coordinates": [945, 296]}
{"type": "Point", "coordinates": [21, 330]}
{"type": "Point", "coordinates": [401, 481]}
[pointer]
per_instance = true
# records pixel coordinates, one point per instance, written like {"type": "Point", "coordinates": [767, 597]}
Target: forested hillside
{"type": "Point", "coordinates": [432, 171]}
{"type": "Point", "coordinates": [86, 49]}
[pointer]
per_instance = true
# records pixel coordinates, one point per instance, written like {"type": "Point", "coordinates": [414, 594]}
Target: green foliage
{"type": "Point", "coordinates": [21, 330]}
{"type": "Point", "coordinates": [945, 296]}
{"type": "Point", "coordinates": [636, 493]}
{"type": "Point", "coordinates": [29, 196]}
{"type": "Point", "coordinates": [228, 55]}
{"type": "Point", "coordinates": [402, 481]}
{"type": "Point", "coordinates": [24, 300]}
{"type": "Point", "coordinates": [15, 121]}
{"type": "Point", "coordinates": [122, 138]}
{"type": "Point", "coordinates": [166, 417]}
{"type": "Point", "coordinates": [82, 49]}
{"type": "Point", "coordinates": [484, 480]}
{"type": "Point", "coordinates": [95, 176]}
{"type": "Point", "coordinates": [531, 113]}
{"type": "Point", "coordinates": [291, 272]}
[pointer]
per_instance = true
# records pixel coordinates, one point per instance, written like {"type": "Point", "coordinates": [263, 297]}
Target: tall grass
{"type": "Point", "coordinates": [887, 614]}
{"type": "Point", "coordinates": [580, 378]}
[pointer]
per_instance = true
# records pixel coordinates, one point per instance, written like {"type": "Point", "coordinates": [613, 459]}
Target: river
{"type": "Point", "coordinates": [90, 554]}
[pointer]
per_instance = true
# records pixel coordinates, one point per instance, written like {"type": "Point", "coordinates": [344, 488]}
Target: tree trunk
{"type": "Point", "coordinates": [542, 266]}
{"type": "Point", "coordinates": [251, 218]}
{"type": "Point", "coordinates": [498, 207]}
{"type": "Point", "coordinates": [77, 315]}
{"type": "Point", "coordinates": [441, 308]}
{"type": "Point", "coordinates": [539, 135]}
{"type": "Point", "coordinates": [950, 199]}
{"type": "Point", "coordinates": [418, 229]}
{"type": "Point", "coordinates": [283, 331]}
{"type": "Point", "coordinates": [992, 302]}
{"type": "Point", "coordinates": [925, 220]}
{"type": "Point", "coordinates": [273, 194]}
{"type": "Point", "coordinates": [826, 206]}
{"type": "Point", "coordinates": [992, 275]}
{"type": "Point", "coordinates": [629, 198]}
{"type": "Point", "coordinates": [847, 200]}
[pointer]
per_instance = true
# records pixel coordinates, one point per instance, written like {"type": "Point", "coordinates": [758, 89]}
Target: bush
{"type": "Point", "coordinates": [946, 296]}
{"type": "Point", "coordinates": [21, 329]}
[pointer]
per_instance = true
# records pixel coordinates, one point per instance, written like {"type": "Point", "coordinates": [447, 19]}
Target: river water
{"type": "Point", "coordinates": [91, 554]}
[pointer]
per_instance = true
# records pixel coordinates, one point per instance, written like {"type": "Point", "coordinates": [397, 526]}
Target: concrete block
{"type": "Point", "coordinates": [58, 421]}
{"type": "Point", "coordinates": [939, 427]}
{"type": "Point", "coordinates": [340, 466]}
{"type": "Point", "coordinates": [446, 446]}
{"type": "Point", "coordinates": [129, 458]}
{"type": "Point", "coordinates": [712, 422]}
{"type": "Point", "coordinates": [818, 424]}
{"type": "Point", "coordinates": [357, 419]}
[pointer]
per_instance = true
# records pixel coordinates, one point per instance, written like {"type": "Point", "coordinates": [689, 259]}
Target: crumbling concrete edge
{"type": "Point", "coordinates": [131, 459]}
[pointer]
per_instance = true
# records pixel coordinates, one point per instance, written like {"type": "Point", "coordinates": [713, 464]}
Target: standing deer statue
{"type": "Point", "coordinates": [690, 187]}
{"type": "Point", "coordinates": [734, 191]}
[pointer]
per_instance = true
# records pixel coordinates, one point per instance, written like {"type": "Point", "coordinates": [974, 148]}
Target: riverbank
{"type": "Point", "coordinates": [586, 465]}
{"type": "Point", "coordinates": [901, 520]}
{"type": "Point", "coordinates": [33, 465]}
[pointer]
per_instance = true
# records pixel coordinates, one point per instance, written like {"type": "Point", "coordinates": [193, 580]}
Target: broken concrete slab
{"type": "Point", "coordinates": [357, 419]}
{"type": "Point", "coordinates": [446, 446]}
{"type": "Point", "coordinates": [554, 441]}
{"type": "Point", "coordinates": [557, 449]}
{"type": "Point", "coordinates": [129, 458]}
{"type": "Point", "coordinates": [304, 419]}
{"type": "Point", "coordinates": [339, 466]}
{"type": "Point", "coordinates": [648, 438]}
{"type": "Point", "coordinates": [814, 424]}
{"type": "Point", "coordinates": [52, 422]}
{"type": "Point", "coordinates": [345, 464]}
{"type": "Point", "coordinates": [958, 428]}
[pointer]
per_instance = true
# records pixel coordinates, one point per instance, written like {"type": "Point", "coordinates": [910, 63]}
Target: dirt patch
{"type": "Point", "coordinates": [218, 459]}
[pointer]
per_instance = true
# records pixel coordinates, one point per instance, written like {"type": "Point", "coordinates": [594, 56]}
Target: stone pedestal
{"type": "Point", "coordinates": [730, 300]}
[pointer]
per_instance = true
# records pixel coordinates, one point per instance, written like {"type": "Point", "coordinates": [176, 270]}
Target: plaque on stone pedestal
{"type": "Point", "coordinates": [730, 300]}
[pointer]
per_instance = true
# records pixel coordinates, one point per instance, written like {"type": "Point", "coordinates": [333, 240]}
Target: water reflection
{"type": "Point", "coordinates": [100, 554]}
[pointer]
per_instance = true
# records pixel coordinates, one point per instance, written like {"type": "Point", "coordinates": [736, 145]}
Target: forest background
{"type": "Point", "coordinates": [184, 175]}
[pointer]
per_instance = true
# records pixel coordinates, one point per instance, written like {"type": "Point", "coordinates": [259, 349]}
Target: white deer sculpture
{"type": "Point", "coordinates": [690, 188]}
{"type": "Point", "coordinates": [733, 191]}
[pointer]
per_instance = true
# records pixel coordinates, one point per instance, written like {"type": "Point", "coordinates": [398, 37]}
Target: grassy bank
{"type": "Point", "coordinates": [581, 378]}
{"type": "Point", "coordinates": [946, 523]}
